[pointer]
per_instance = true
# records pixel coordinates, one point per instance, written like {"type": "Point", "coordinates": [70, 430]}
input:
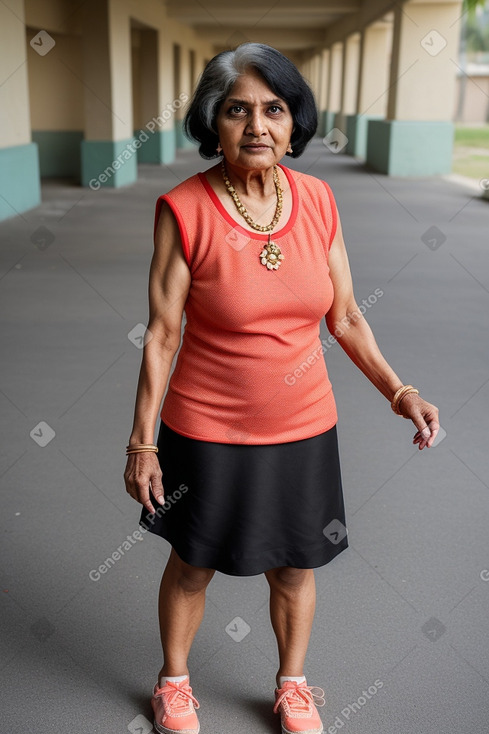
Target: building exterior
{"type": "Point", "coordinates": [89, 90]}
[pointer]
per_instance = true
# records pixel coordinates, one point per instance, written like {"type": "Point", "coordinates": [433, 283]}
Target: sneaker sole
{"type": "Point", "coordinates": [307, 731]}
{"type": "Point", "coordinates": [163, 730]}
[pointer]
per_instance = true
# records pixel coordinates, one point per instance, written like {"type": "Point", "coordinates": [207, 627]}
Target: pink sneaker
{"type": "Point", "coordinates": [173, 707]}
{"type": "Point", "coordinates": [297, 705]}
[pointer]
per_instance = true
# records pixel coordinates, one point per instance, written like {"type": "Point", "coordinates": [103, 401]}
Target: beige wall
{"type": "Point", "coordinates": [14, 94]}
{"type": "Point", "coordinates": [422, 85]}
{"type": "Point", "coordinates": [55, 84]}
{"type": "Point", "coordinates": [476, 99]}
{"type": "Point", "coordinates": [59, 16]}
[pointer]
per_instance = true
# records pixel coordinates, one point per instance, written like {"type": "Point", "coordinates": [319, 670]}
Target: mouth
{"type": "Point", "coordinates": [256, 146]}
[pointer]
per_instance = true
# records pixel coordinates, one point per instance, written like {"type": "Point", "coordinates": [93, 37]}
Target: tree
{"type": "Point", "coordinates": [471, 6]}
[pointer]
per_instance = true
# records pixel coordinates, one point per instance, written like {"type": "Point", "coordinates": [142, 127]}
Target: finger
{"type": "Point", "coordinates": [434, 427]}
{"type": "Point", "coordinates": [157, 489]}
{"type": "Point", "coordinates": [146, 502]}
{"type": "Point", "coordinates": [422, 436]}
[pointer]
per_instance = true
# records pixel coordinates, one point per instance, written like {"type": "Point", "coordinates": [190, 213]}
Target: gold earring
{"type": "Point", "coordinates": [289, 149]}
{"type": "Point", "coordinates": [219, 149]}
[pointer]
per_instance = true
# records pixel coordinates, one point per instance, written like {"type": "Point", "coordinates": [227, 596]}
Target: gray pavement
{"type": "Point", "coordinates": [400, 639]}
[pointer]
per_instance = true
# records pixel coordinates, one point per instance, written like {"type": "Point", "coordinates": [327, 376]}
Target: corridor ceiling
{"type": "Point", "coordinates": [290, 25]}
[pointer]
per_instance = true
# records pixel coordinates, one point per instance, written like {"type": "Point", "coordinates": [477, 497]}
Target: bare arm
{"type": "Point", "coordinates": [355, 336]}
{"type": "Point", "coordinates": [169, 283]}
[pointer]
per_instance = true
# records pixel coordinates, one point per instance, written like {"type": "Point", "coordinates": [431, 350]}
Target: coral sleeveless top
{"type": "Point", "coordinates": [251, 365]}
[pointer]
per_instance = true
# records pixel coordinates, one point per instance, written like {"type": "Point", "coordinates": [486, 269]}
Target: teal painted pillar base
{"type": "Point", "coordinates": [410, 147]}
{"type": "Point", "coordinates": [337, 120]}
{"type": "Point", "coordinates": [330, 117]}
{"type": "Point", "coordinates": [322, 123]}
{"type": "Point", "coordinates": [109, 162]}
{"type": "Point", "coordinates": [158, 147]}
{"type": "Point", "coordinates": [59, 152]}
{"type": "Point", "coordinates": [20, 187]}
{"type": "Point", "coordinates": [328, 121]}
{"type": "Point", "coordinates": [356, 132]}
{"type": "Point", "coordinates": [181, 140]}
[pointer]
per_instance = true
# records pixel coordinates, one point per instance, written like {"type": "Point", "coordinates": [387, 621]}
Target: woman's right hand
{"type": "Point", "coordinates": [142, 470]}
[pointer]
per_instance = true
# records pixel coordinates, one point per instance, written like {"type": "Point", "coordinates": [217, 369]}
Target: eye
{"type": "Point", "coordinates": [236, 109]}
{"type": "Point", "coordinates": [274, 109]}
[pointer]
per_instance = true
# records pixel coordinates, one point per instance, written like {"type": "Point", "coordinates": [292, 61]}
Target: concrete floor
{"type": "Point", "coordinates": [401, 615]}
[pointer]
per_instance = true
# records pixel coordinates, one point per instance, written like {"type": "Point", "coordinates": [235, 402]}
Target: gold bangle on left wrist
{"type": "Point", "coordinates": [137, 448]}
{"type": "Point", "coordinates": [404, 390]}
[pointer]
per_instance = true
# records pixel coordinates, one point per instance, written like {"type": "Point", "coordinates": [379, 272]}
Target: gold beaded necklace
{"type": "Point", "coordinates": [271, 255]}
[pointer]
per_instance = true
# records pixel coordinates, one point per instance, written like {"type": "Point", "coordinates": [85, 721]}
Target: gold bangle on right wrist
{"type": "Point", "coordinates": [404, 390]}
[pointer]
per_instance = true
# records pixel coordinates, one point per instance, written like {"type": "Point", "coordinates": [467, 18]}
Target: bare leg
{"type": "Point", "coordinates": [181, 609]}
{"type": "Point", "coordinates": [292, 607]}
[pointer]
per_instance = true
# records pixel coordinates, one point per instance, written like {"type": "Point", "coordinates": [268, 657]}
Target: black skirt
{"type": "Point", "coordinates": [243, 509]}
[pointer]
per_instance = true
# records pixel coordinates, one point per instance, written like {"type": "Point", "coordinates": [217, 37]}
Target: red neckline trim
{"type": "Point", "coordinates": [255, 235]}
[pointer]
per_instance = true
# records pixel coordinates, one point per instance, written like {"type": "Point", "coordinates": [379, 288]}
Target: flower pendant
{"type": "Point", "coordinates": [271, 255]}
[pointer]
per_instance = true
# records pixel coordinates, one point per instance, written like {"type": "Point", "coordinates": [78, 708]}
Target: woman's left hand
{"type": "Point", "coordinates": [424, 416]}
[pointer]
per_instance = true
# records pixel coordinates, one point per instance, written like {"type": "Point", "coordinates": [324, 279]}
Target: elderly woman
{"type": "Point", "coordinates": [253, 253]}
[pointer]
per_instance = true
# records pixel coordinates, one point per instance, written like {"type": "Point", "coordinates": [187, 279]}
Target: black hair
{"type": "Point", "coordinates": [219, 76]}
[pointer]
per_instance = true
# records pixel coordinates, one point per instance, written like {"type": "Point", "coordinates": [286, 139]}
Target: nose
{"type": "Point", "coordinates": [256, 125]}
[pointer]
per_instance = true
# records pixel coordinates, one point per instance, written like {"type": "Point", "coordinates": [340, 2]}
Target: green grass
{"type": "Point", "coordinates": [471, 152]}
{"type": "Point", "coordinates": [473, 137]}
{"type": "Point", "coordinates": [472, 166]}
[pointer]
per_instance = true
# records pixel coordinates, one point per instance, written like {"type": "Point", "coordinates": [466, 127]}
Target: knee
{"type": "Point", "coordinates": [192, 579]}
{"type": "Point", "coordinates": [288, 578]}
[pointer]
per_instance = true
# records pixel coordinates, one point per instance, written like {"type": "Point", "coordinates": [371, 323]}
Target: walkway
{"type": "Point", "coordinates": [400, 639]}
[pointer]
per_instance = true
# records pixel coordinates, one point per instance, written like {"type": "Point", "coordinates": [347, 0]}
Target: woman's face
{"type": "Point", "coordinates": [254, 125]}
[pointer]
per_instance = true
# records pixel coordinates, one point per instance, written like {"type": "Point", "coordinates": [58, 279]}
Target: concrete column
{"type": "Point", "coordinates": [168, 97]}
{"type": "Point", "coordinates": [109, 150]}
{"type": "Point", "coordinates": [349, 80]}
{"type": "Point", "coordinates": [334, 85]}
{"type": "Point", "coordinates": [19, 160]}
{"type": "Point", "coordinates": [316, 75]}
{"type": "Point", "coordinates": [373, 86]}
{"type": "Point", "coordinates": [182, 85]}
{"type": "Point", "coordinates": [323, 91]}
{"type": "Point", "coordinates": [187, 61]}
{"type": "Point", "coordinates": [417, 137]}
